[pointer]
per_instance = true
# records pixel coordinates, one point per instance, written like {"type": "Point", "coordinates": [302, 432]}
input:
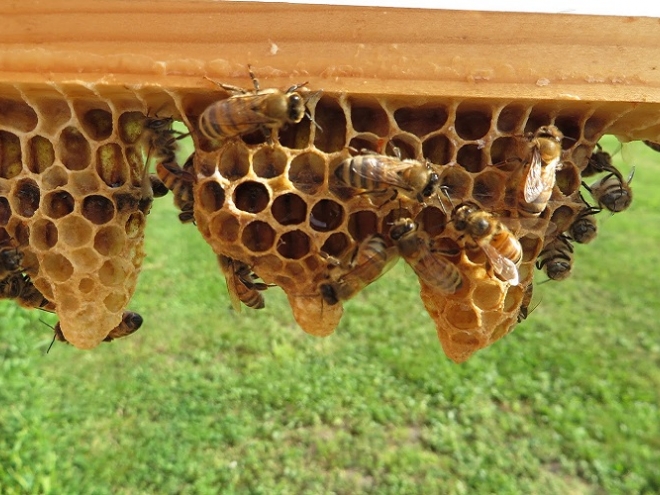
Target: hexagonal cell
{"type": "Point", "coordinates": [367, 115]}
{"type": "Point", "coordinates": [41, 154]}
{"type": "Point", "coordinates": [212, 196]}
{"type": "Point", "coordinates": [75, 231]}
{"type": "Point", "coordinates": [488, 188]}
{"type": "Point", "coordinates": [131, 126]}
{"type": "Point", "coordinates": [234, 161]}
{"type": "Point", "coordinates": [26, 198]}
{"type": "Point", "coordinates": [295, 136]}
{"type": "Point", "coordinates": [98, 209]}
{"type": "Point", "coordinates": [462, 317]}
{"type": "Point", "coordinates": [85, 259]}
{"type": "Point", "coordinates": [10, 155]}
{"type": "Point", "coordinates": [570, 126]}
{"type": "Point", "coordinates": [331, 119]}
{"type": "Point", "coordinates": [109, 241]}
{"type": "Point", "coordinates": [336, 244]}
{"type": "Point", "coordinates": [472, 121]}
{"type": "Point", "coordinates": [432, 220]}
{"type": "Point", "coordinates": [114, 271]}
{"type": "Point", "coordinates": [362, 224]}
{"type": "Point", "coordinates": [487, 295]}
{"type": "Point", "coordinates": [512, 299]}
{"type": "Point", "coordinates": [5, 211]}
{"type": "Point", "coordinates": [326, 215]}
{"type": "Point", "coordinates": [57, 109]}
{"type": "Point", "coordinates": [97, 123]}
{"type": "Point", "coordinates": [388, 220]}
{"type": "Point", "coordinates": [16, 114]}
{"type": "Point", "coordinates": [251, 197]}
{"type": "Point", "coordinates": [110, 165]}
{"type": "Point", "coordinates": [511, 118]}
{"type": "Point", "coordinates": [134, 224]}
{"type": "Point", "coordinates": [307, 172]}
{"type": "Point", "coordinates": [269, 162]}
{"type": "Point", "coordinates": [258, 236]}
{"type": "Point", "coordinates": [457, 183]}
{"type": "Point", "coordinates": [115, 301]}
{"type": "Point", "coordinates": [44, 235]}
{"type": "Point", "coordinates": [438, 149]}
{"type": "Point", "coordinates": [568, 179]}
{"type": "Point", "coordinates": [531, 246]}
{"type": "Point", "coordinates": [57, 204]}
{"type": "Point", "coordinates": [21, 232]}
{"type": "Point", "coordinates": [289, 209]}
{"type": "Point", "coordinates": [57, 267]}
{"type": "Point", "coordinates": [593, 128]}
{"type": "Point", "coordinates": [54, 177]}
{"type": "Point", "coordinates": [471, 158]}
{"type": "Point", "coordinates": [580, 155]}
{"type": "Point", "coordinates": [421, 120]}
{"type": "Point", "coordinates": [367, 141]}
{"type": "Point", "coordinates": [505, 153]}
{"type": "Point", "coordinates": [74, 149]}
{"type": "Point", "coordinates": [293, 245]}
{"type": "Point", "coordinates": [86, 285]}
{"type": "Point", "coordinates": [407, 144]}
{"type": "Point", "coordinates": [225, 227]}
{"type": "Point", "coordinates": [125, 202]}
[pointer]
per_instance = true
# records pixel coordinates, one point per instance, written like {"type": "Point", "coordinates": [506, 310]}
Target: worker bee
{"type": "Point", "coordinates": [180, 181]}
{"type": "Point", "coordinates": [556, 258]}
{"type": "Point", "coordinates": [20, 288]}
{"type": "Point", "coordinates": [10, 261]}
{"type": "Point", "coordinates": [366, 264]}
{"type": "Point", "coordinates": [611, 192]}
{"type": "Point", "coordinates": [526, 301]}
{"type": "Point", "coordinates": [376, 173]}
{"type": "Point", "coordinates": [584, 228]}
{"type": "Point", "coordinates": [130, 323]}
{"type": "Point", "coordinates": [484, 231]}
{"type": "Point", "coordinates": [241, 284]}
{"type": "Point", "coordinates": [654, 146]}
{"type": "Point", "coordinates": [542, 165]}
{"type": "Point", "coordinates": [599, 161]}
{"type": "Point", "coordinates": [246, 111]}
{"type": "Point", "coordinates": [434, 269]}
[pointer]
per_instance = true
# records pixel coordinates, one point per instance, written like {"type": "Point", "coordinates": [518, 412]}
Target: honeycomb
{"type": "Point", "coordinates": [71, 200]}
{"type": "Point", "coordinates": [73, 197]}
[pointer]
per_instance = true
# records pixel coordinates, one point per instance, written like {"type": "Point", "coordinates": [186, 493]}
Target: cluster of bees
{"type": "Point", "coordinates": [377, 175]}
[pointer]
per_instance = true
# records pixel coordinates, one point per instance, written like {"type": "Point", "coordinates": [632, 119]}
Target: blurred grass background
{"type": "Point", "coordinates": [204, 400]}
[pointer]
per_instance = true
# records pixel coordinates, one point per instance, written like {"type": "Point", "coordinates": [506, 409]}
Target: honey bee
{"type": "Point", "coordinates": [484, 231]}
{"type": "Point", "coordinates": [584, 228]}
{"type": "Point", "coordinates": [161, 138]}
{"type": "Point", "coordinates": [241, 284]}
{"type": "Point", "coordinates": [526, 301]}
{"type": "Point", "coordinates": [599, 161]}
{"type": "Point", "coordinates": [611, 192]}
{"type": "Point", "coordinates": [556, 258]}
{"type": "Point", "coordinates": [180, 181]}
{"type": "Point", "coordinates": [246, 111]}
{"type": "Point", "coordinates": [367, 263]}
{"type": "Point", "coordinates": [10, 261]}
{"type": "Point", "coordinates": [434, 269]}
{"type": "Point", "coordinates": [543, 163]}
{"type": "Point", "coordinates": [130, 323]}
{"type": "Point", "coordinates": [376, 173]}
{"type": "Point", "coordinates": [19, 287]}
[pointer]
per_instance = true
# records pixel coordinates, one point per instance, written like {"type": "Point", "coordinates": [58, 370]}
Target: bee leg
{"type": "Point", "coordinates": [255, 81]}
{"type": "Point", "coordinates": [587, 187]}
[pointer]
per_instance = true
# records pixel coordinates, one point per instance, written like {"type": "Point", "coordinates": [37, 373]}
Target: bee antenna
{"type": "Point", "coordinates": [51, 344]}
{"type": "Point", "coordinates": [255, 81]}
{"type": "Point", "coordinates": [309, 115]}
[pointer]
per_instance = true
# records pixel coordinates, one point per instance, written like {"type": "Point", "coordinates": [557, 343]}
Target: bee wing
{"type": "Point", "coordinates": [227, 267]}
{"type": "Point", "coordinates": [243, 110]}
{"type": "Point", "coordinates": [386, 172]}
{"type": "Point", "coordinates": [503, 266]}
{"type": "Point", "coordinates": [534, 184]}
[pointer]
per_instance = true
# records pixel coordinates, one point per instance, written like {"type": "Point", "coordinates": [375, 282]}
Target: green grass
{"type": "Point", "coordinates": [203, 400]}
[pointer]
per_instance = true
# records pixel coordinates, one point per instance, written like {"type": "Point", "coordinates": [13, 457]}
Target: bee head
{"type": "Point", "coordinates": [431, 184]}
{"type": "Point", "coordinates": [132, 320]}
{"type": "Point", "coordinates": [401, 227]}
{"type": "Point", "coordinates": [328, 293]}
{"type": "Point", "coordinates": [295, 108]}
{"type": "Point", "coordinates": [549, 132]}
